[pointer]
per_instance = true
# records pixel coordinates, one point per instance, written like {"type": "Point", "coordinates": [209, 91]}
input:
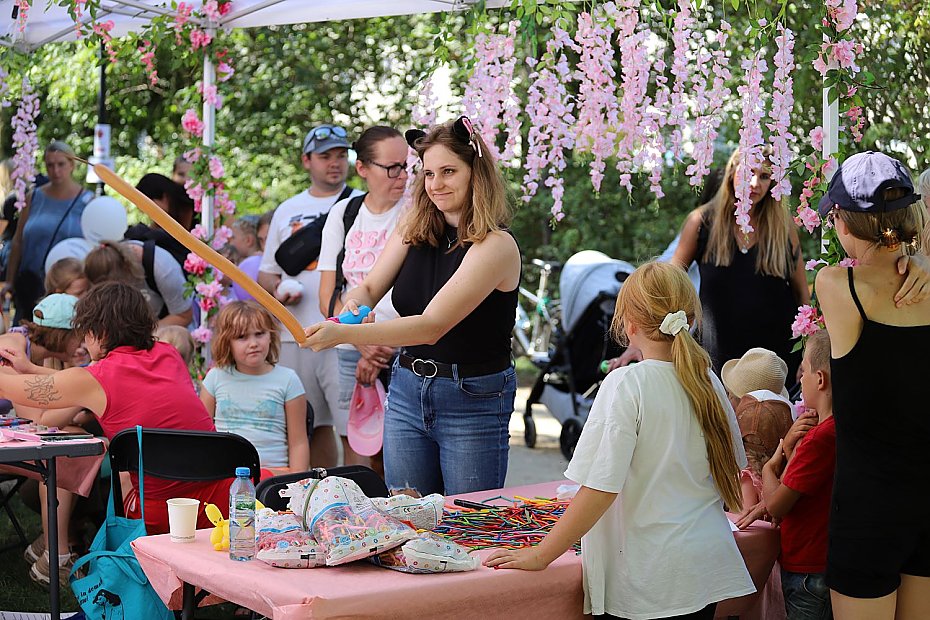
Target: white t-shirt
{"type": "Point", "coordinates": [664, 547]}
{"type": "Point", "coordinates": [364, 244]}
{"type": "Point", "coordinates": [170, 279]}
{"type": "Point", "coordinates": [293, 214]}
{"type": "Point", "coordinates": [253, 406]}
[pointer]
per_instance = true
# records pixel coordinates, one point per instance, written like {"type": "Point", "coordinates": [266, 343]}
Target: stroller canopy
{"type": "Point", "coordinates": [584, 276]}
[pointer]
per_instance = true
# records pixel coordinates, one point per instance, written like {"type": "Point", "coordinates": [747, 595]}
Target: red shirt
{"type": "Point", "coordinates": [810, 473]}
{"type": "Point", "coordinates": [154, 389]}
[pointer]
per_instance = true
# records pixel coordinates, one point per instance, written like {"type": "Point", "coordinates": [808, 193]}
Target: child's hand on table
{"type": "Point", "coordinates": [527, 558]}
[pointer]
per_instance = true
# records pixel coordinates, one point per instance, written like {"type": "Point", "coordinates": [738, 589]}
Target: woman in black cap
{"type": "Point", "coordinates": [878, 562]}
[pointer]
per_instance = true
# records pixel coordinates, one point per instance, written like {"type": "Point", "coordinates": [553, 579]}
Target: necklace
{"type": "Point", "coordinates": [450, 241]}
{"type": "Point", "coordinates": [744, 242]}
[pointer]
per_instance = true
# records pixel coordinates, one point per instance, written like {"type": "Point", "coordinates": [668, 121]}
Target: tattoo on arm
{"type": "Point", "coordinates": [42, 390]}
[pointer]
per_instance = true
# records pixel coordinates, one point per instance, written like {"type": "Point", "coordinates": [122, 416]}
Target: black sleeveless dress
{"type": "Point", "coordinates": [879, 524]}
{"type": "Point", "coordinates": [743, 308]}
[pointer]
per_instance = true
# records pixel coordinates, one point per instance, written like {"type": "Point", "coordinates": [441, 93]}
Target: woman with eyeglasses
{"type": "Point", "coordinates": [454, 268]}
{"type": "Point", "coordinates": [350, 254]}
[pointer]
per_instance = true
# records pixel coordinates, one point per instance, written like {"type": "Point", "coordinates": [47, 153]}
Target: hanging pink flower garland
{"type": "Point", "coordinates": [488, 98]}
{"type": "Point", "coordinates": [681, 69]}
{"type": "Point", "coordinates": [550, 111]}
{"type": "Point", "coordinates": [635, 66]}
{"type": "Point", "coordinates": [782, 102]}
{"type": "Point", "coordinates": [713, 67]}
{"type": "Point", "coordinates": [750, 137]}
{"type": "Point", "coordinates": [25, 143]}
{"type": "Point", "coordinates": [598, 112]}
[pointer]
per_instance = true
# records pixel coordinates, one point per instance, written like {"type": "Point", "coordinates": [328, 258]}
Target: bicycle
{"type": "Point", "coordinates": [534, 332]}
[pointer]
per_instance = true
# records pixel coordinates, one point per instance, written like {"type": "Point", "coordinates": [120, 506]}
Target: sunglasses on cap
{"type": "Point", "coordinates": [323, 132]}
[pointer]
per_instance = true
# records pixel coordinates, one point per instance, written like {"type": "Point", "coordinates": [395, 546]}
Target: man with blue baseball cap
{"type": "Point", "coordinates": [324, 155]}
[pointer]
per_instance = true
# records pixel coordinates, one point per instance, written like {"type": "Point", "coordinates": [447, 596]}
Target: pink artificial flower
{"type": "Point", "coordinates": [807, 322]}
{"type": "Point", "coordinates": [211, 9]}
{"type": "Point", "coordinates": [199, 232]}
{"type": "Point", "coordinates": [849, 262]}
{"type": "Point", "coordinates": [210, 96]}
{"type": "Point", "coordinates": [183, 14]}
{"type": "Point", "coordinates": [209, 289]}
{"type": "Point", "coordinates": [216, 167]}
{"type": "Point", "coordinates": [808, 218]}
{"type": "Point", "coordinates": [195, 265]}
{"type": "Point", "coordinates": [221, 237]}
{"type": "Point", "coordinates": [193, 155]}
{"type": "Point", "coordinates": [200, 38]}
{"type": "Point", "coordinates": [192, 123]}
{"type": "Point", "coordinates": [811, 265]}
{"type": "Point", "coordinates": [820, 65]}
{"type": "Point", "coordinates": [816, 136]}
{"type": "Point", "coordinates": [202, 334]}
{"type": "Point", "coordinates": [224, 71]}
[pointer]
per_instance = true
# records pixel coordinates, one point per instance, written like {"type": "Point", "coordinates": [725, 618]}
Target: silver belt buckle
{"type": "Point", "coordinates": [413, 367]}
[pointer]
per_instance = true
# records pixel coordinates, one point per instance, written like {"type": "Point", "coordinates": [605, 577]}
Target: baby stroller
{"type": "Point", "coordinates": [567, 384]}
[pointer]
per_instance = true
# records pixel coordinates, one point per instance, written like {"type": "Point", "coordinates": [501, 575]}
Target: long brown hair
{"type": "Point", "coordinates": [486, 209]}
{"type": "Point", "coordinates": [235, 320]}
{"type": "Point", "coordinates": [769, 218]}
{"type": "Point", "coordinates": [647, 296]}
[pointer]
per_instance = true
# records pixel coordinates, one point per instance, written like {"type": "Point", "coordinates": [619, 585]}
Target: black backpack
{"type": "Point", "coordinates": [303, 247]}
{"type": "Point", "coordinates": [348, 218]}
{"type": "Point", "coordinates": [148, 265]}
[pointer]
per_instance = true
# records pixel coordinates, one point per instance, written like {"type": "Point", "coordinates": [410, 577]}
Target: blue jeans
{"type": "Point", "coordinates": [446, 435]}
{"type": "Point", "coordinates": [807, 596]}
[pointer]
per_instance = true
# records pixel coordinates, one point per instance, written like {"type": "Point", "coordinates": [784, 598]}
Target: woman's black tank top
{"type": "Point", "coordinates": [882, 427]}
{"type": "Point", "coordinates": [482, 336]}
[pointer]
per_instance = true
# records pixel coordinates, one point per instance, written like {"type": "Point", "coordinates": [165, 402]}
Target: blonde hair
{"type": "Point", "coordinates": [6, 177]}
{"type": "Point", "coordinates": [235, 320]}
{"type": "Point", "coordinates": [817, 351]}
{"type": "Point", "coordinates": [923, 187]}
{"type": "Point", "coordinates": [62, 273]}
{"type": "Point", "coordinates": [890, 229]}
{"type": "Point", "coordinates": [179, 338]}
{"type": "Point", "coordinates": [486, 208]}
{"type": "Point", "coordinates": [770, 220]}
{"type": "Point", "coordinates": [647, 296]}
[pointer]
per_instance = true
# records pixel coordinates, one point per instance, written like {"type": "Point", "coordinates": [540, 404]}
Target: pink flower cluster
{"type": "Point", "coordinates": [195, 265]}
{"type": "Point", "coordinates": [782, 102]}
{"type": "Point", "coordinates": [842, 13]}
{"type": "Point", "coordinates": [681, 69]}
{"type": "Point", "coordinates": [216, 167]}
{"type": "Point", "coordinates": [597, 97]}
{"type": "Point", "coordinates": [25, 143]}
{"type": "Point", "coordinates": [816, 136]}
{"type": "Point", "coordinates": [210, 95]}
{"type": "Point", "coordinates": [191, 123]}
{"type": "Point", "coordinates": [489, 100]}
{"type": "Point", "coordinates": [103, 30]}
{"type": "Point", "coordinates": [806, 322]}
{"type": "Point", "coordinates": [822, 169]}
{"type": "Point", "coordinates": [750, 137]}
{"type": "Point", "coordinates": [202, 334]}
{"type": "Point", "coordinates": [200, 38]}
{"type": "Point", "coordinates": [550, 110]}
{"type": "Point", "coordinates": [709, 99]}
{"type": "Point", "coordinates": [24, 6]}
{"type": "Point", "coordinates": [221, 237]}
{"type": "Point", "coordinates": [224, 71]}
{"type": "Point", "coordinates": [147, 49]}
{"type": "Point", "coordinates": [856, 122]}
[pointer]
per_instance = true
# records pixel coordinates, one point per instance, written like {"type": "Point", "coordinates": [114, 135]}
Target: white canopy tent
{"type": "Point", "coordinates": [53, 24]}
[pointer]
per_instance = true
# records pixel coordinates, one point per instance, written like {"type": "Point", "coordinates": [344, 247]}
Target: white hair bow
{"type": "Point", "coordinates": [674, 322]}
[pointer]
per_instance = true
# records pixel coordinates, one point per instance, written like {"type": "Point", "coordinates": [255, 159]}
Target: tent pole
{"type": "Point", "coordinates": [102, 101]}
{"type": "Point", "coordinates": [209, 133]}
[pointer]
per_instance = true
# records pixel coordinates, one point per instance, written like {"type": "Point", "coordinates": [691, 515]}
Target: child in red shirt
{"type": "Point", "coordinates": [801, 497]}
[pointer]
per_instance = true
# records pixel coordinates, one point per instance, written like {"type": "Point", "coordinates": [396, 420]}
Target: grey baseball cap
{"type": "Point", "coordinates": [322, 138]}
{"type": "Point", "coordinates": [860, 183]}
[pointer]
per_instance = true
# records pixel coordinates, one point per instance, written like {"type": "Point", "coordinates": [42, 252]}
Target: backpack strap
{"type": "Point", "coordinates": [148, 265]}
{"type": "Point", "coordinates": [345, 193]}
{"type": "Point", "coordinates": [348, 219]}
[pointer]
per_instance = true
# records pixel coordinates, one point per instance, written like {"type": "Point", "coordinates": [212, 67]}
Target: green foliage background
{"type": "Point", "coordinates": [362, 72]}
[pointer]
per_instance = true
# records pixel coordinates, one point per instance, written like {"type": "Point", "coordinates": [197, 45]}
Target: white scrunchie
{"type": "Point", "coordinates": [674, 322]}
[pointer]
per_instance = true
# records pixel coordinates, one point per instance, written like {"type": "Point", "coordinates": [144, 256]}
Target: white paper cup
{"type": "Point", "coordinates": [182, 518]}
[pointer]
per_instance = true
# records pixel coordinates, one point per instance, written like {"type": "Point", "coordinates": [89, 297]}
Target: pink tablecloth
{"type": "Point", "coordinates": [76, 474]}
{"type": "Point", "coordinates": [361, 591]}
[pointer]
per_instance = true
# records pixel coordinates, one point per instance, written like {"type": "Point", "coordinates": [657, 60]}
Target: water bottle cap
{"type": "Point", "coordinates": [243, 472]}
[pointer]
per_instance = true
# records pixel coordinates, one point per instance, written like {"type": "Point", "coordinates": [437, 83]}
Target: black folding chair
{"type": "Point", "coordinates": [188, 456]}
{"type": "Point", "coordinates": [366, 478]}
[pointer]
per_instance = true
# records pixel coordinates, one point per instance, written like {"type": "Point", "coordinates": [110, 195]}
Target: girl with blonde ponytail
{"type": "Point", "coordinates": [658, 457]}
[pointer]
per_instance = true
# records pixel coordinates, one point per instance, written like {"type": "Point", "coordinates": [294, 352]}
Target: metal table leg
{"type": "Point", "coordinates": [190, 602]}
{"type": "Point", "coordinates": [51, 497]}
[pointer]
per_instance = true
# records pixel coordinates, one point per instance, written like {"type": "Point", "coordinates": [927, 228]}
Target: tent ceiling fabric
{"type": "Point", "coordinates": [53, 24]}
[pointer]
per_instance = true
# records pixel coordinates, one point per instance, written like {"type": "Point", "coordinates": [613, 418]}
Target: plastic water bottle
{"type": "Point", "coordinates": [242, 516]}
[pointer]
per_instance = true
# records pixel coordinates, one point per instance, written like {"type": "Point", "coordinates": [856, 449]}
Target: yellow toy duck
{"type": "Point", "coordinates": [219, 537]}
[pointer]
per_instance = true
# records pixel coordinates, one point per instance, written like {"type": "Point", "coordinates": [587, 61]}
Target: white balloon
{"type": "Point", "coordinates": [75, 247]}
{"type": "Point", "coordinates": [103, 219]}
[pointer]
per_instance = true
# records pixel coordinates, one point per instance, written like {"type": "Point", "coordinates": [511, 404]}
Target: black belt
{"type": "Point", "coordinates": [430, 368]}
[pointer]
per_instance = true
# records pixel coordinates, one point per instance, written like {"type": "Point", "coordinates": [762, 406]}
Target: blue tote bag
{"type": "Point", "coordinates": [115, 586]}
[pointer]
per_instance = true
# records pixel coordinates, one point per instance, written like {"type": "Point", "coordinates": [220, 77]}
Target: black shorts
{"type": "Point", "coordinates": [871, 566]}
